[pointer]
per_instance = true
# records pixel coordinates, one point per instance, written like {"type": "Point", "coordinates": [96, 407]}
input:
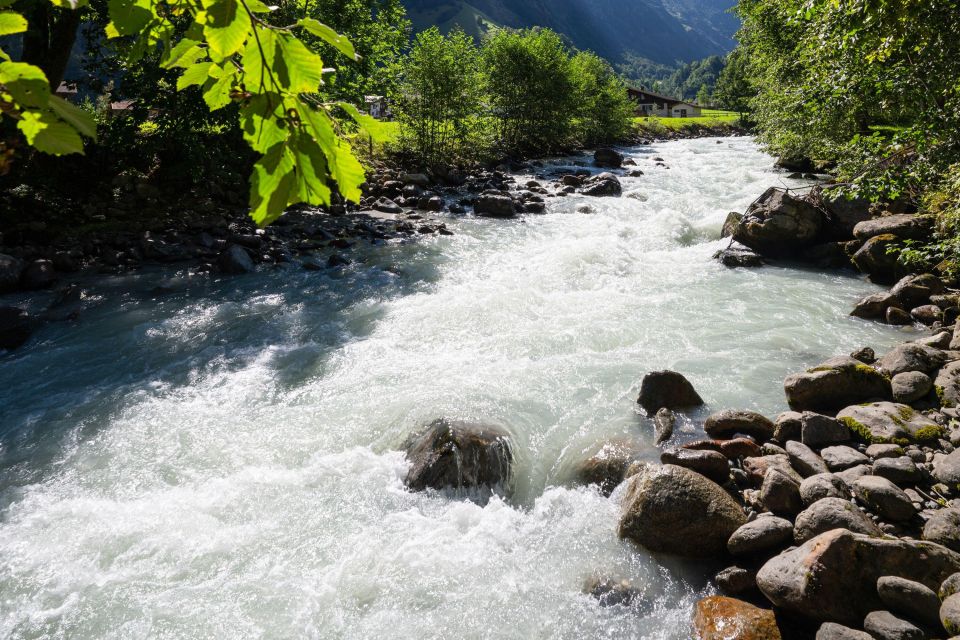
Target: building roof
{"type": "Point", "coordinates": [653, 95]}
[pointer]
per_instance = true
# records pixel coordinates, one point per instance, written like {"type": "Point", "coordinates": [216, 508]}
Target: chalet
{"type": "Point", "coordinates": [654, 104]}
{"type": "Point", "coordinates": [67, 91]}
{"type": "Point", "coordinates": [378, 107]}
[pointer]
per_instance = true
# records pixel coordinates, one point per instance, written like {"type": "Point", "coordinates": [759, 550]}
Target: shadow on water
{"type": "Point", "coordinates": [151, 333]}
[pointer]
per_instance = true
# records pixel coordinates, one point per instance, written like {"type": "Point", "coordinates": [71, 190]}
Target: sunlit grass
{"type": "Point", "coordinates": [710, 118]}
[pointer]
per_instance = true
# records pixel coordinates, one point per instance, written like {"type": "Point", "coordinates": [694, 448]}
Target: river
{"type": "Point", "coordinates": [219, 460]}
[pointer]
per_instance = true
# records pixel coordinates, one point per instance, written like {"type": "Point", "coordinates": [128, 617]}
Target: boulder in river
{"type": "Point", "coordinates": [235, 260]}
{"type": "Point", "coordinates": [459, 455]}
{"type": "Point", "coordinates": [606, 157]}
{"type": "Point", "coordinates": [911, 356]}
{"type": "Point", "coordinates": [837, 383]}
{"type": "Point", "coordinates": [494, 205]}
{"type": "Point", "coordinates": [601, 185]}
{"type": "Point", "coordinates": [737, 256]}
{"type": "Point", "coordinates": [722, 618]}
{"type": "Point", "coordinates": [711, 464]}
{"type": "Point", "coordinates": [874, 306]}
{"type": "Point", "coordinates": [729, 422]}
{"type": "Point", "coordinates": [779, 225]}
{"type": "Point", "coordinates": [667, 389]}
{"type": "Point", "coordinates": [673, 510]}
{"type": "Point", "coordinates": [879, 259]}
{"type": "Point", "coordinates": [901, 226]}
{"type": "Point", "coordinates": [10, 269]}
{"type": "Point", "coordinates": [608, 466]}
{"type": "Point", "coordinates": [39, 274]}
{"type": "Point", "coordinates": [833, 577]}
{"type": "Point", "coordinates": [889, 422]}
{"type": "Point", "coordinates": [16, 326]}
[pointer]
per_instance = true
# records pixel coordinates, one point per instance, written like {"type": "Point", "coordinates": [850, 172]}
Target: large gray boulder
{"type": "Point", "coordinates": [883, 625]}
{"type": "Point", "coordinates": [874, 306]}
{"type": "Point", "coordinates": [910, 386]}
{"type": "Point", "coordinates": [912, 599]}
{"type": "Point", "coordinates": [669, 509]}
{"type": "Point", "coordinates": [667, 389]}
{"type": "Point", "coordinates": [915, 290]}
{"type": "Point", "coordinates": [902, 226]}
{"type": "Point", "coordinates": [889, 422]}
{"type": "Point", "coordinates": [763, 535]}
{"type": "Point", "coordinates": [879, 258]}
{"type": "Point", "coordinates": [823, 485]}
{"type": "Point", "coordinates": [884, 498]}
{"type": "Point", "coordinates": [602, 185]}
{"type": "Point", "coordinates": [837, 383]}
{"type": "Point", "coordinates": [606, 157]}
{"type": "Point", "coordinates": [780, 493]}
{"type": "Point", "coordinates": [833, 577]}
{"type": "Point", "coordinates": [805, 460]}
{"type": "Point", "coordinates": [943, 527]}
{"type": "Point", "coordinates": [946, 468]}
{"type": "Point", "coordinates": [494, 205]}
{"type": "Point", "coordinates": [460, 455]}
{"type": "Point", "coordinates": [608, 466]}
{"type": "Point", "coordinates": [832, 513]}
{"type": "Point", "coordinates": [728, 422]}
{"type": "Point", "coordinates": [947, 384]}
{"type": "Point", "coordinates": [911, 356]}
{"type": "Point", "coordinates": [779, 225]}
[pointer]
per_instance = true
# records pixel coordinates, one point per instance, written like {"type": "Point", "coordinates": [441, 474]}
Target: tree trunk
{"type": "Point", "coordinates": [50, 38]}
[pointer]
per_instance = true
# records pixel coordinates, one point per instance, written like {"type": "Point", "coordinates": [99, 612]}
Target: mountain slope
{"type": "Point", "coordinates": [663, 31]}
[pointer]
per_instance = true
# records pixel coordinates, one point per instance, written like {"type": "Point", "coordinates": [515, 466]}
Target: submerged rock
{"type": "Point", "coordinates": [738, 257]}
{"type": "Point", "coordinates": [837, 383]}
{"type": "Point", "coordinates": [722, 618]}
{"type": "Point", "coordinates": [833, 577]}
{"type": "Point", "coordinates": [459, 455]}
{"type": "Point", "coordinates": [609, 465]}
{"type": "Point", "coordinates": [669, 390]}
{"type": "Point", "coordinates": [673, 510]}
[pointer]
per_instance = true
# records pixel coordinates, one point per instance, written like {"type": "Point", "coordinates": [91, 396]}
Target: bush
{"type": "Point", "coordinates": [604, 112]}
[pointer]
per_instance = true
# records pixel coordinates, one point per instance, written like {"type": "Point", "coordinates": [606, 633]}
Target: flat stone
{"type": "Point", "coordinates": [883, 625]}
{"type": "Point", "coordinates": [819, 430]}
{"type": "Point", "coordinates": [834, 631]}
{"type": "Point", "coordinates": [835, 384]}
{"type": "Point", "coordinates": [853, 474]}
{"type": "Point", "coordinates": [904, 226]}
{"type": "Point", "coordinates": [946, 468]}
{"type": "Point", "coordinates": [911, 356]}
{"type": "Point", "coordinates": [833, 577]}
{"type": "Point", "coordinates": [884, 451]}
{"type": "Point", "coordinates": [823, 485]}
{"type": "Point", "coordinates": [731, 422]}
{"type": "Point", "coordinates": [889, 422]}
{"type": "Point", "coordinates": [900, 471]}
{"type": "Point", "coordinates": [712, 464]}
{"type": "Point", "coordinates": [943, 527]}
{"type": "Point", "coordinates": [805, 460]}
{"type": "Point", "coordinates": [832, 513]}
{"type": "Point", "coordinates": [762, 535]}
{"type": "Point", "coordinates": [842, 457]}
{"type": "Point", "coordinates": [884, 498]}
{"type": "Point", "coordinates": [913, 600]}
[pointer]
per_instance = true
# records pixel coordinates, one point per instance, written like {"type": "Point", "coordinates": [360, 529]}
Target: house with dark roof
{"type": "Point", "coordinates": [653, 104]}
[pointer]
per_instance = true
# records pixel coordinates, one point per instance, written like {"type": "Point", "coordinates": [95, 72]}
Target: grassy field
{"type": "Point", "coordinates": [710, 117]}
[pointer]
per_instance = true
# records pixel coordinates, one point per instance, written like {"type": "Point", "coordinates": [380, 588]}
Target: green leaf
{"type": "Point", "coordinates": [271, 185]}
{"type": "Point", "coordinates": [256, 6]}
{"type": "Point", "coordinates": [257, 58]}
{"type": "Point", "coordinates": [194, 75]}
{"type": "Point", "coordinates": [260, 122]}
{"type": "Point", "coordinates": [311, 171]}
{"type": "Point", "coordinates": [49, 135]}
{"type": "Point", "coordinates": [128, 17]}
{"type": "Point", "coordinates": [377, 129]}
{"type": "Point", "coordinates": [11, 22]}
{"type": "Point", "coordinates": [322, 31]}
{"type": "Point", "coordinates": [217, 93]}
{"type": "Point", "coordinates": [69, 4]}
{"type": "Point", "coordinates": [73, 115]}
{"type": "Point", "coordinates": [183, 54]}
{"type": "Point", "coordinates": [26, 83]}
{"type": "Point", "coordinates": [296, 68]}
{"type": "Point", "coordinates": [343, 165]}
{"type": "Point", "coordinates": [227, 27]}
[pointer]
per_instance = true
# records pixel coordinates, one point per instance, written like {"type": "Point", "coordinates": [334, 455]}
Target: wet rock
{"type": "Point", "coordinates": [729, 422]}
{"type": "Point", "coordinates": [943, 527]}
{"type": "Point", "coordinates": [834, 631]}
{"type": "Point", "coordinates": [897, 317]}
{"type": "Point", "coordinates": [876, 259]}
{"type": "Point", "coordinates": [602, 185]}
{"type": "Point", "coordinates": [884, 498]}
{"type": "Point", "coordinates": [667, 389]}
{"type": "Point", "coordinates": [663, 423]}
{"type": "Point", "coordinates": [910, 386]}
{"type": "Point", "coordinates": [608, 466]}
{"type": "Point", "coordinates": [901, 471]}
{"type": "Point", "coordinates": [779, 225]}
{"type": "Point", "coordinates": [712, 464]}
{"type": "Point", "coordinates": [494, 205]}
{"type": "Point", "coordinates": [418, 179]}
{"type": "Point", "coordinates": [911, 356]}
{"type": "Point", "coordinates": [763, 535]}
{"type": "Point", "coordinates": [386, 205]}
{"type": "Point", "coordinates": [674, 510]}
{"type": "Point", "coordinates": [833, 577]}
{"type": "Point", "coordinates": [874, 306]}
{"type": "Point", "coordinates": [819, 430]}
{"type": "Point", "coordinates": [16, 327]}
{"type": "Point", "coordinates": [883, 625]}
{"type": "Point", "coordinates": [735, 581]}
{"type": "Point", "coordinates": [722, 618]}
{"type": "Point", "coordinates": [608, 158]}
{"type": "Point", "coordinates": [459, 455]}
{"type": "Point", "coordinates": [832, 513]}
{"type": "Point", "coordinates": [337, 260]}
{"type": "Point", "coordinates": [10, 269]}
{"type": "Point", "coordinates": [841, 457]}
{"type": "Point", "coordinates": [915, 290]}
{"type": "Point", "coordinates": [730, 224]}
{"type": "Point", "coordinates": [738, 257]}
{"type": "Point", "coordinates": [900, 226]}
{"type": "Point", "coordinates": [805, 460]}
{"type": "Point", "coordinates": [612, 592]}
{"type": "Point", "coordinates": [913, 600]}
{"type": "Point", "coordinates": [844, 214]}
{"type": "Point", "coordinates": [235, 260]}
{"type": "Point", "coordinates": [39, 274]}
{"type": "Point", "coordinates": [823, 485]}
{"type": "Point", "coordinates": [950, 614]}
{"type": "Point", "coordinates": [835, 384]}
{"type": "Point", "coordinates": [865, 355]}
{"type": "Point", "coordinates": [780, 493]}
{"type": "Point", "coordinates": [889, 422]}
